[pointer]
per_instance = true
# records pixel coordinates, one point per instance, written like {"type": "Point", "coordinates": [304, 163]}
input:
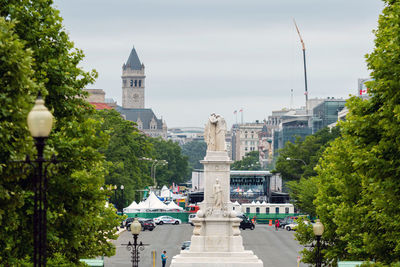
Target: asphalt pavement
{"type": "Point", "coordinates": [274, 248]}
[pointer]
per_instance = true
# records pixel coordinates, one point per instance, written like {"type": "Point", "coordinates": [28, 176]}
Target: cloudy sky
{"type": "Point", "coordinates": [218, 56]}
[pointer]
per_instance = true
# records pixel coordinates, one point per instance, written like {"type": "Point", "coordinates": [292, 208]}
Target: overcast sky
{"type": "Point", "coordinates": [218, 56]}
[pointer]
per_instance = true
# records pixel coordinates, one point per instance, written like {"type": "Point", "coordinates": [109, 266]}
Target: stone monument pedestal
{"type": "Point", "coordinates": [216, 239]}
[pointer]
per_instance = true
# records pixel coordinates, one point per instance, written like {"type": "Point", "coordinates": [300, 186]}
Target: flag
{"type": "Point", "coordinates": [306, 93]}
{"type": "Point", "coordinates": [241, 110]}
{"type": "Point", "coordinates": [235, 112]}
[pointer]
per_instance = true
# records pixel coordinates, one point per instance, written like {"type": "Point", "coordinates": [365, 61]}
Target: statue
{"type": "Point", "coordinates": [217, 191]}
{"type": "Point", "coordinates": [214, 133]}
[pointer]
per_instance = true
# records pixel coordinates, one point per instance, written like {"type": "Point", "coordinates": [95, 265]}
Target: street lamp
{"type": "Point", "coordinates": [40, 122]}
{"type": "Point", "coordinates": [123, 200]}
{"type": "Point", "coordinates": [298, 160]}
{"type": "Point", "coordinates": [153, 167]}
{"type": "Point", "coordinates": [318, 229]}
{"type": "Point", "coordinates": [134, 248]}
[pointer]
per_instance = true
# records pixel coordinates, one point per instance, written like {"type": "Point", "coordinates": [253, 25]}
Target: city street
{"type": "Point", "coordinates": [274, 248]}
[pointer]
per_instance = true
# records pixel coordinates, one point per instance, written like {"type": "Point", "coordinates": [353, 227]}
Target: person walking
{"type": "Point", "coordinates": [164, 258]}
{"type": "Point", "coordinates": [276, 224]}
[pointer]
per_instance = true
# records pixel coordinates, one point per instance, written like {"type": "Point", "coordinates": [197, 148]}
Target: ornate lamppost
{"type": "Point", "coordinates": [40, 122]}
{"type": "Point", "coordinates": [318, 229]}
{"type": "Point", "coordinates": [134, 248]}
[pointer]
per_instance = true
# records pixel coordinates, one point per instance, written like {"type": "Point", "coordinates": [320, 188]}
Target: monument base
{"type": "Point", "coordinates": [216, 259]}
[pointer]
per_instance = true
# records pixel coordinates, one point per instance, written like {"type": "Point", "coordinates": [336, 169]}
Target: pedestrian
{"type": "Point", "coordinates": [276, 224]}
{"type": "Point", "coordinates": [164, 258]}
{"type": "Point", "coordinates": [254, 219]}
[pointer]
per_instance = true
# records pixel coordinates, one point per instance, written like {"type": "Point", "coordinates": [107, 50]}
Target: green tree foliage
{"type": "Point", "coordinates": [248, 163]}
{"type": "Point", "coordinates": [299, 170]}
{"type": "Point", "coordinates": [358, 197]}
{"type": "Point", "coordinates": [177, 169]}
{"type": "Point", "coordinates": [37, 55]}
{"type": "Point", "coordinates": [304, 154]}
{"type": "Point", "coordinates": [195, 151]}
{"type": "Point", "coordinates": [124, 152]}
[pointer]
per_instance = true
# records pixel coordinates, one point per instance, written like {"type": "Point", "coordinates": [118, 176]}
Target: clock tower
{"type": "Point", "coordinates": [133, 78]}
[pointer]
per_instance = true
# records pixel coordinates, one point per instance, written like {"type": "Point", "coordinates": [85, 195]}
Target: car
{"type": "Point", "coordinates": [286, 221]}
{"type": "Point", "coordinates": [127, 221]}
{"type": "Point", "coordinates": [185, 245]}
{"type": "Point", "coordinates": [246, 223]}
{"type": "Point", "coordinates": [191, 216]}
{"type": "Point", "coordinates": [166, 219]}
{"type": "Point", "coordinates": [293, 225]}
{"type": "Point", "coordinates": [147, 224]}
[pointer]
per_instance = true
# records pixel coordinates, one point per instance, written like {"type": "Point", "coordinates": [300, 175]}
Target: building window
{"type": "Point", "coordinates": [258, 210]}
{"type": "Point", "coordinates": [245, 149]}
{"type": "Point", "coordinates": [286, 210]}
{"type": "Point", "coordinates": [135, 83]}
{"type": "Point", "coordinates": [131, 83]}
{"type": "Point", "coordinates": [140, 83]}
{"type": "Point", "coordinates": [247, 210]}
{"type": "Point", "coordinates": [277, 210]}
{"type": "Point", "coordinates": [267, 210]}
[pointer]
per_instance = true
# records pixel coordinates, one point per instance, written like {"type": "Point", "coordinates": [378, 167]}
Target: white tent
{"type": "Point", "coordinates": [264, 203]}
{"type": "Point", "coordinates": [131, 208]}
{"type": "Point", "coordinates": [258, 203]}
{"type": "Point", "coordinates": [166, 193]}
{"type": "Point", "coordinates": [173, 206]}
{"type": "Point", "coordinates": [152, 202]}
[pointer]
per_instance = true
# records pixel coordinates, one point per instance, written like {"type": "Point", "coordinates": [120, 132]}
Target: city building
{"type": "Point", "coordinates": [244, 138]}
{"type": "Point", "coordinates": [326, 113]}
{"type": "Point", "coordinates": [97, 99]}
{"type": "Point", "coordinates": [133, 99]}
{"type": "Point", "coordinates": [183, 135]}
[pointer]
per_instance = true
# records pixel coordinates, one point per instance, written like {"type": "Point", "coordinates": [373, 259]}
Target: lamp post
{"type": "Point", "coordinates": [134, 248]}
{"type": "Point", "coordinates": [318, 229]}
{"type": "Point", "coordinates": [154, 164]}
{"type": "Point", "coordinates": [159, 162]}
{"type": "Point", "coordinates": [40, 122]}
{"type": "Point", "coordinates": [123, 200]}
{"type": "Point", "coordinates": [297, 160]}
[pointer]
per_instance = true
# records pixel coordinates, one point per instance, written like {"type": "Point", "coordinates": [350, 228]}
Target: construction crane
{"type": "Point", "coordinates": [305, 68]}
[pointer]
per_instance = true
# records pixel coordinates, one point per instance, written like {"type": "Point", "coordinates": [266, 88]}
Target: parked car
{"type": "Point", "coordinates": [127, 221]}
{"type": "Point", "coordinates": [191, 216]}
{"type": "Point", "coordinates": [185, 245]}
{"type": "Point", "coordinates": [286, 221]}
{"type": "Point", "coordinates": [293, 225]}
{"type": "Point", "coordinates": [147, 224]}
{"type": "Point", "coordinates": [246, 223]}
{"type": "Point", "coordinates": [166, 219]}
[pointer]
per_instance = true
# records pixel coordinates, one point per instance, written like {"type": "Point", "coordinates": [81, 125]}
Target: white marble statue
{"type": "Point", "coordinates": [214, 133]}
{"type": "Point", "coordinates": [217, 192]}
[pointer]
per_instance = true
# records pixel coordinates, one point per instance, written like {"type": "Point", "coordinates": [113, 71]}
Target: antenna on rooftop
{"type": "Point", "coordinates": [305, 68]}
{"type": "Point", "coordinates": [291, 98]}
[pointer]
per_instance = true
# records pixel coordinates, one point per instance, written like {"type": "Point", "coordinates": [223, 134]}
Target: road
{"type": "Point", "coordinates": [274, 248]}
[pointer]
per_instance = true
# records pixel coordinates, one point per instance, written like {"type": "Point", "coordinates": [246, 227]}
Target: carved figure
{"type": "Point", "coordinates": [217, 195]}
{"type": "Point", "coordinates": [214, 133]}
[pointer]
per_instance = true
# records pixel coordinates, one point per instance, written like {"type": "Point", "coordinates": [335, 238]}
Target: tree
{"type": "Point", "coordinates": [298, 172]}
{"type": "Point", "coordinates": [124, 152]}
{"type": "Point", "coordinates": [37, 55]}
{"type": "Point", "coordinates": [248, 163]}
{"type": "Point", "coordinates": [177, 169]}
{"type": "Point", "coordinates": [195, 151]}
{"type": "Point", "coordinates": [358, 197]}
